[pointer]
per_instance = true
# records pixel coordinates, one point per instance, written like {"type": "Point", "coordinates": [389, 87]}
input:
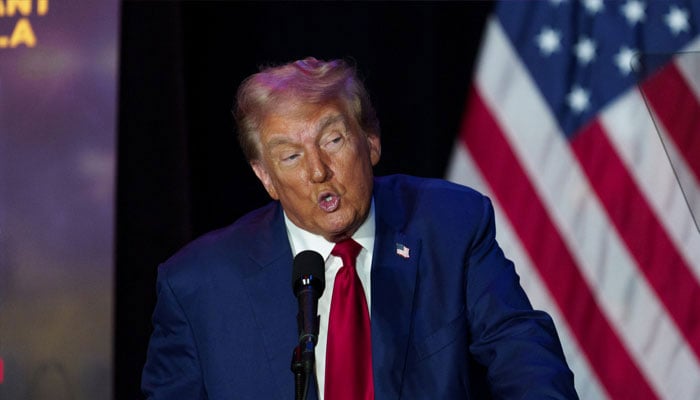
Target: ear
{"type": "Point", "coordinates": [375, 148]}
{"type": "Point", "coordinates": [264, 177]}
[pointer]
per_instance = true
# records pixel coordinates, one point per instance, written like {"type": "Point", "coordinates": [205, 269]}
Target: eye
{"type": "Point", "coordinates": [335, 142]}
{"type": "Point", "coordinates": [289, 158]}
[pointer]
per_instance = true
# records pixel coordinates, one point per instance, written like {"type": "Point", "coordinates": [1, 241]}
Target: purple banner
{"type": "Point", "coordinates": [58, 80]}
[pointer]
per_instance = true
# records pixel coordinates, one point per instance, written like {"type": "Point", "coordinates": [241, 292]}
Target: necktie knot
{"type": "Point", "coordinates": [347, 250]}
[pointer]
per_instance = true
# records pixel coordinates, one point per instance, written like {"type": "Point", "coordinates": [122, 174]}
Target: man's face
{"type": "Point", "coordinates": [318, 163]}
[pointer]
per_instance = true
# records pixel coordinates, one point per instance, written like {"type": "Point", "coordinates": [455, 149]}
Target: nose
{"type": "Point", "coordinates": [318, 167]}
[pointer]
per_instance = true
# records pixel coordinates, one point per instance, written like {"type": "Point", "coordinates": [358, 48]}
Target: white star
{"type": "Point", "coordinates": [625, 59]}
{"type": "Point", "coordinates": [634, 11]}
{"type": "Point", "coordinates": [556, 3]}
{"type": "Point", "coordinates": [585, 50]}
{"type": "Point", "coordinates": [593, 6]}
{"type": "Point", "coordinates": [578, 99]}
{"type": "Point", "coordinates": [677, 20]}
{"type": "Point", "coordinates": [548, 40]}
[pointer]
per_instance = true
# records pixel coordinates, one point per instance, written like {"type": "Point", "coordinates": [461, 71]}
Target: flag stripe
{"type": "Point", "coordinates": [492, 153]}
{"type": "Point", "coordinates": [688, 63]}
{"type": "Point", "coordinates": [677, 108]}
{"type": "Point", "coordinates": [629, 127]}
{"type": "Point", "coordinates": [669, 359]}
{"type": "Point", "coordinates": [689, 187]}
{"type": "Point", "coordinates": [462, 169]}
{"type": "Point", "coordinates": [625, 297]}
{"type": "Point", "coordinates": [639, 228]}
{"type": "Point", "coordinates": [558, 133]}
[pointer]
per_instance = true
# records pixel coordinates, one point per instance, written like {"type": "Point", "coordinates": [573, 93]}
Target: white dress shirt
{"type": "Point", "coordinates": [301, 240]}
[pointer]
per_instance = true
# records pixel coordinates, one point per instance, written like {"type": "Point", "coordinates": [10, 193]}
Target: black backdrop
{"type": "Point", "coordinates": [180, 172]}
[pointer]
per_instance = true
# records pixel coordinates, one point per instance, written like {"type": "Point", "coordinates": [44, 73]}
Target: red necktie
{"type": "Point", "coordinates": [349, 348]}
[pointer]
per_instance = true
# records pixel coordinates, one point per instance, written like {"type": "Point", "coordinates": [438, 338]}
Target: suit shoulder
{"type": "Point", "coordinates": [223, 246]}
{"type": "Point", "coordinates": [431, 208]}
{"type": "Point", "coordinates": [436, 194]}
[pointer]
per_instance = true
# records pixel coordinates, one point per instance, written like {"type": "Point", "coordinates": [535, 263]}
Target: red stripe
{"type": "Point", "coordinates": [642, 232]}
{"type": "Point", "coordinates": [510, 184]}
{"type": "Point", "coordinates": [678, 110]}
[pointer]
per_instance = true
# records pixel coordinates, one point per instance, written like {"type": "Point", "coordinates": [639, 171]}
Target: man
{"type": "Point", "coordinates": [445, 315]}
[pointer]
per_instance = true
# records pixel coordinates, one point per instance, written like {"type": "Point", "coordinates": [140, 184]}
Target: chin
{"type": "Point", "coordinates": [332, 229]}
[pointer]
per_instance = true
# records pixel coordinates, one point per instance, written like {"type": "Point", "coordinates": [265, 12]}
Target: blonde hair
{"type": "Point", "coordinates": [307, 81]}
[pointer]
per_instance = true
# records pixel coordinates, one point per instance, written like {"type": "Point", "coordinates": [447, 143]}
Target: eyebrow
{"type": "Point", "coordinates": [330, 120]}
{"type": "Point", "coordinates": [324, 123]}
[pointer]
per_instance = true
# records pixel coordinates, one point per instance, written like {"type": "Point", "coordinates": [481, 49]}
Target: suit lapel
{"type": "Point", "coordinates": [393, 285]}
{"type": "Point", "coordinates": [274, 304]}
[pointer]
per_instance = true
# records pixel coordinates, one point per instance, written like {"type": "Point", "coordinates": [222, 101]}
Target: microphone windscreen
{"type": "Point", "coordinates": [309, 265]}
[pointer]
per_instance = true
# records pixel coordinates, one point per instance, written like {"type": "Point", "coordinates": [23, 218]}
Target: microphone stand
{"type": "Point", "coordinates": [302, 367]}
{"type": "Point", "coordinates": [301, 379]}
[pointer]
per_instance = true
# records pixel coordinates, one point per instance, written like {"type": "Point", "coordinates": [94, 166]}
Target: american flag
{"type": "Point", "coordinates": [558, 133]}
{"type": "Point", "coordinates": [402, 250]}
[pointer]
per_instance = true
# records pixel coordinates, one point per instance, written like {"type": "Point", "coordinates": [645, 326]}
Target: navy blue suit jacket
{"type": "Point", "coordinates": [449, 322]}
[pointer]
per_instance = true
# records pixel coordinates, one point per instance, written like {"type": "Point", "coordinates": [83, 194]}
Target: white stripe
{"type": "Point", "coordinates": [463, 170]}
{"type": "Point", "coordinates": [689, 65]}
{"type": "Point", "coordinates": [688, 62]}
{"type": "Point", "coordinates": [624, 296]}
{"type": "Point", "coordinates": [631, 130]}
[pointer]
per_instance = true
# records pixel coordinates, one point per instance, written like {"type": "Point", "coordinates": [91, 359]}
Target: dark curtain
{"type": "Point", "coordinates": [180, 172]}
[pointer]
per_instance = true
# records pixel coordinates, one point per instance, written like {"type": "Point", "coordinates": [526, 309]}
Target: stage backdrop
{"type": "Point", "coordinates": [57, 141]}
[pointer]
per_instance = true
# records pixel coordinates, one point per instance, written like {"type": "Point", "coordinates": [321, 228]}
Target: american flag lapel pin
{"type": "Point", "coordinates": [402, 250]}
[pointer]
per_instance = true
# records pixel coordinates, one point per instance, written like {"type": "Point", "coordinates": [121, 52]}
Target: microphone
{"type": "Point", "coordinates": [308, 283]}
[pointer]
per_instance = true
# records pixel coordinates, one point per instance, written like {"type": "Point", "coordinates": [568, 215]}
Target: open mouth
{"type": "Point", "coordinates": [328, 202]}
